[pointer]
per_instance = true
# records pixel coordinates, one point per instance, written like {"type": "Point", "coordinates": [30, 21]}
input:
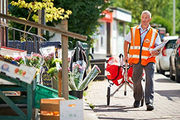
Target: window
{"type": "Point", "coordinates": [120, 28]}
{"type": "Point", "coordinates": [171, 44]}
{"type": "Point", "coordinates": [102, 29]}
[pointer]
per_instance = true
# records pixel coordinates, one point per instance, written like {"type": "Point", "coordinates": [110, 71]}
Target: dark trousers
{"type": "Point", "coordinates": [149, 86]}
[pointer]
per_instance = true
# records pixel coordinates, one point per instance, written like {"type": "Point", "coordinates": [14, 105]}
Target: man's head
{"type": "Point", "coordinates": [145, 19]}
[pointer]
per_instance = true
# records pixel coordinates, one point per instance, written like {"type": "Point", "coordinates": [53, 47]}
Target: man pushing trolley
{"type": "Point", "coordinates": [139, 51]}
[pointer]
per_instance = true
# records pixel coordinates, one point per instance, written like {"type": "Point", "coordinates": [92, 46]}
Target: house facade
{"type": "Point", "coordinates": [109, 39]}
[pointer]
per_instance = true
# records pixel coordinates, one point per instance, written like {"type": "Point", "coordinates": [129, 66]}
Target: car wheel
{"type": "Point", "coordinates": [171, 71]}
{"type": "Point", "coordinates": [157, 69]}
{"type": "Point", "coordinates": [177, 76]}
{"type": "Point", "coordinates": [161, 71]}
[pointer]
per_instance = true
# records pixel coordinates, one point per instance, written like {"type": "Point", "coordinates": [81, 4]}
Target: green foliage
{"type": "Point", "coordinates": [85, 15]}
{"type": "Point", "coordinates": [137, 6]}
{"type": "Point", "coordinates": [28, 10]}
{"type": "Point", "coordinates": [163, 22]}
{"type": "Point", "coordinates": [178, 17]}
{"type": "Point", "coordinates": [161, 8]}
{"type": "Point", "coordinates": [19, 13]}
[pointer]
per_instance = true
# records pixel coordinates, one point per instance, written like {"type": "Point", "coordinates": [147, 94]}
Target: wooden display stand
{"type": "Point", "coordinates": [21, 78]}
{"type": "Point", "coordinates": [12, 51]}
{"type": "Point", "coordinates": [49, 109]}
{"type": "Point", "coordinates": [13, 101]}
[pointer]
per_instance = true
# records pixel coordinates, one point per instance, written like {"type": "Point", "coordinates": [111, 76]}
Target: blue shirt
{"type": "Point", "coordinates": [143, 34]}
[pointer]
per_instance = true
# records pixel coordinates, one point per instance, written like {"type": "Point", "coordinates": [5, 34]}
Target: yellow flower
{"type": "Point", "coordinates": [30, 5]}
{"type": "Point", "coordinates": [61, 17]}
{"type": "Point", "coordinates": [22, 18]}
{"type": "Point", "coordinates": [7, 57]}
{"type": "Point", "coordinates": [51, 12]}
{"type": "Point", "coordinates": [66, 16]}
{"type": "Point", "coordinates": [12, 3]}
{"type": "Point", "coordinates": [26, 5]}
{"type": "Point", "coordinates": [44, 5]}
{"type": "Point", "coordinates": [61, 10]}
{"type": "Point", "coordinates": [69, 12]}
{"type": "Point", "coordinates": [35, 18]}
{"type": "Point", "coordinates": [55, 18]}
{"type": "Point", "coordinates": [23, 3]}
{"type": "Point", "coordinates": [40, 5]}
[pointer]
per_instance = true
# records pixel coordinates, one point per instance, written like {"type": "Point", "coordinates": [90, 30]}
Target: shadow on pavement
{"type": "Point", "coordinates": [112, 118]}
{"type": "Point", "coordinates": [164, 80]}
{"type": "Point", "coordinates": [110, 106]}
{"type": "Point", "coordinates": [169, 93]}
{"type": "Point", "coordinates": [105, 108]}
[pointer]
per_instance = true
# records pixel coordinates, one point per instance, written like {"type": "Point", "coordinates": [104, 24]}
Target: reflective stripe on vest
{"type": "Point", "coordinates": [138, 48]}
{"type": "Point", "coordinates": [133, 31]}
{"type": "Point", "coordinates": [152, 38]}
{"type": "Point", "coordinates": [137, 56]}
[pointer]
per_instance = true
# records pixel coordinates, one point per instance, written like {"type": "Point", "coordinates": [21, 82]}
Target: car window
{"type": "Point", "coordinates": [171, 44]}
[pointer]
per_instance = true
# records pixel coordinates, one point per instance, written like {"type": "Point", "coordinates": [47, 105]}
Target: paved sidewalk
{"type": "Point", "coordinates": [167, 102]}
{"type": "Point", "coordinates": [89, 114]}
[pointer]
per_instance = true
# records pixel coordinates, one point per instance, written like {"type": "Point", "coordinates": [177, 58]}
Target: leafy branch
{"type": "Point", "coordinates": [51, 12]}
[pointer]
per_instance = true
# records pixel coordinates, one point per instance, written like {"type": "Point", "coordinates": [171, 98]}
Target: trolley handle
{"type": "Point", "coordinates": [124, 66]}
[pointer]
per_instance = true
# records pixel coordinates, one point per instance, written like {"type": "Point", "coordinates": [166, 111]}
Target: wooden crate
{"type": "Point", "coordinates": [49, 109]}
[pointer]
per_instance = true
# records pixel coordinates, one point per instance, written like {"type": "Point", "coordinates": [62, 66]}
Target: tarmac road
{"type": "Point", "coordinates": [166, 102]}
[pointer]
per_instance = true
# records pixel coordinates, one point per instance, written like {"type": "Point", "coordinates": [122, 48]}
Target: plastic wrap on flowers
{"type": "Point", "coordinates": [76, 75]}
{"type": "Point", "coordinates": [90, 77]}
{"type": "Point", "coordinates": [79, 68]}
{"type": "Point", "coordinates": [72, 84]}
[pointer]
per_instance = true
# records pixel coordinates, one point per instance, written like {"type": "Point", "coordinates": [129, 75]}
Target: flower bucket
{"type": "Point", "coordinates": [78, 94]}
{"type": "Point", "coordinates": [82, 84]}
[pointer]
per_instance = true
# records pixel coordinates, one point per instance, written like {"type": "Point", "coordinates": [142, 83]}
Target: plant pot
{"type": "Point", "coordinates": [78, 94]}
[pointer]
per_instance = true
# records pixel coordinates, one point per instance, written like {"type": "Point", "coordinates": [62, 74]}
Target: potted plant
{"type": "Point", "coordinates": [77, 81]}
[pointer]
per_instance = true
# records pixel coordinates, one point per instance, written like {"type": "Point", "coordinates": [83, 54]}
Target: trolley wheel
{"type": "Point", "coordinates": [108, 95]}
{"type": "Point", "coordinates": [125, 93]}
{"type": "Point", "coordinates": [142, 101]}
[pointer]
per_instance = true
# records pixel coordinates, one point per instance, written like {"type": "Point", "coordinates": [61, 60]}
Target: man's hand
{"type": "Point", "coordinates": [125, 59]}
{"type": "Point", "coordinates": [155, 53]}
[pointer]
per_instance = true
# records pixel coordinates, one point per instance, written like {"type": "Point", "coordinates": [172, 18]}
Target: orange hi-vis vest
{"type": "Point", "coordinates": [147, 45]}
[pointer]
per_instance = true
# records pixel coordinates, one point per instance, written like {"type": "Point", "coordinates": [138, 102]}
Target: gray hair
{"type": "Point", "coordinates": [146, 12]}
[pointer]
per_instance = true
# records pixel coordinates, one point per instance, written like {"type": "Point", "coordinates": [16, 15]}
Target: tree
{"type": "Point", "coordinates": [31, 11]}
{"type": "Point", "coordinates": [163, 22]}
{"type": "Point", "coordinates": [178, 17]}
{"type": "Point", "coordinates": [86, 13]}
{"type": "Point", "coordinates": [137, 6]}
{"type": "Point", "coordinates": [84, 17]}
{"type": "Point", "coordinates": [160, 9]}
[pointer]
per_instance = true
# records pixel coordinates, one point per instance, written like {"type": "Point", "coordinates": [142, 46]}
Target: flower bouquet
{"type": "Point", "coordinates": [77, 82]}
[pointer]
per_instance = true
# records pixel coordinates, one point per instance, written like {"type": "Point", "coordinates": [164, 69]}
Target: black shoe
{"type": "Point", "coordinates": [136, 104]}
{"type": "Point", "coordinates": [150, 107]}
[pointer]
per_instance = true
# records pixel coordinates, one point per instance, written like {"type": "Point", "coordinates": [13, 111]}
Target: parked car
{"type": "Point", "coordinates": [175, 63]}
{"type": "Point", "coordinates": [162, 64]}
